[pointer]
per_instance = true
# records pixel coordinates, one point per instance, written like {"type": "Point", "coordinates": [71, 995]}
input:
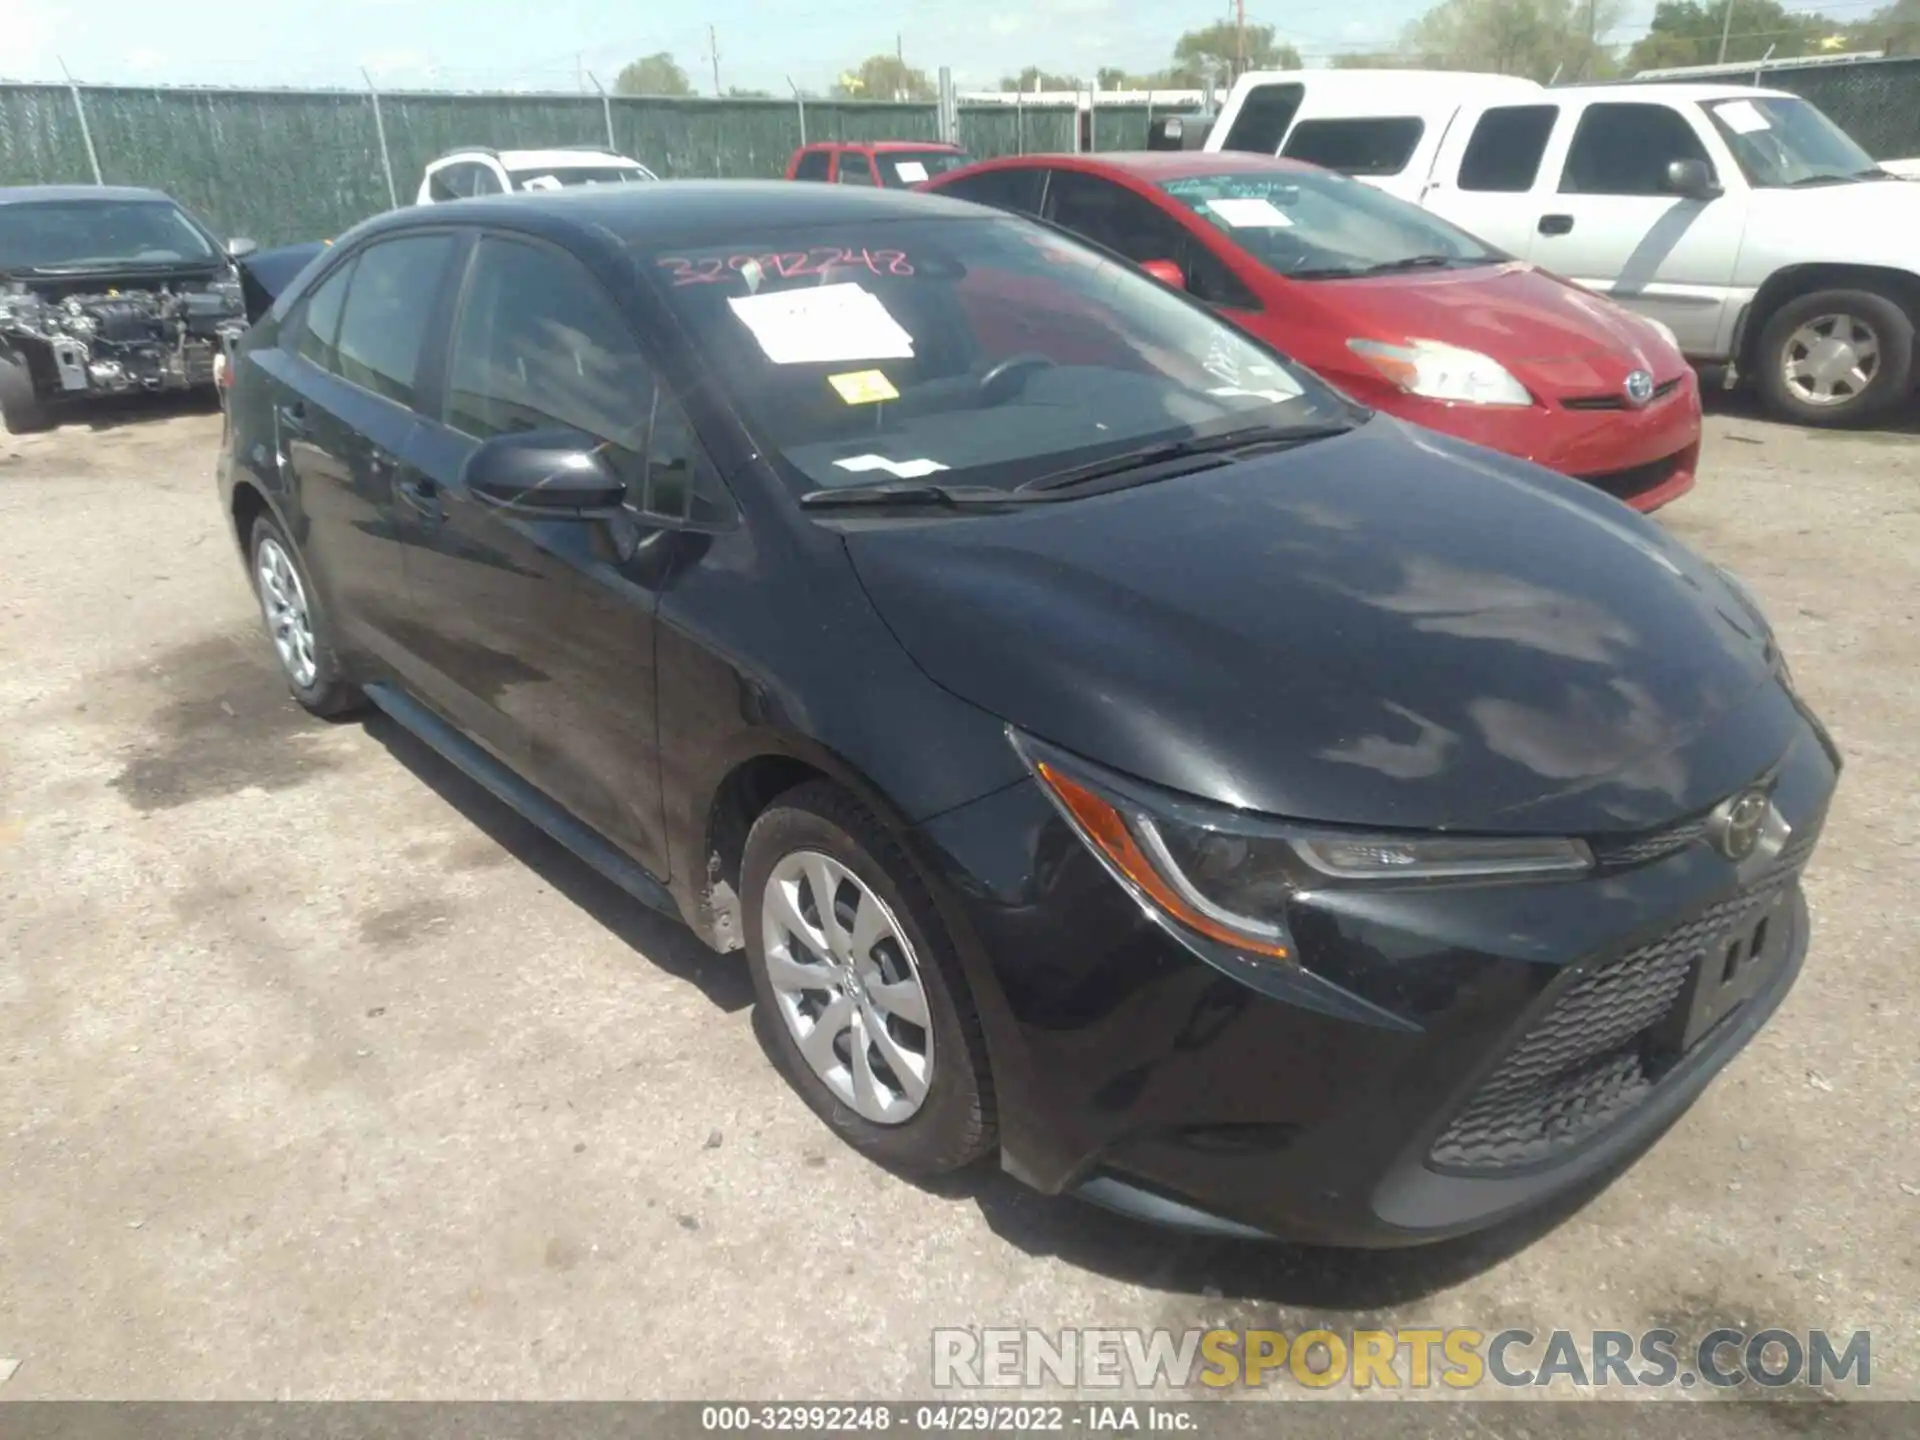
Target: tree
{"type": "Point", "coordinates": [1034, 78]}
{"type": "Point", "coordinates": [1220, 47]}
{"type": "Point", "coordinates": [1687, 32]}
{"type": "Point", "coordinates": [1895, 29]}
{"type": "Point", "coordinates": [652, 75]}
{"type": "Point", "coordinates": [1112, 77]}
{"type": "Point", "coordinates": [1374, 60]}
{"type": "Point", "coordinates": [1535, 38]}
{"type": "Point", "coordinates": [885, 77]}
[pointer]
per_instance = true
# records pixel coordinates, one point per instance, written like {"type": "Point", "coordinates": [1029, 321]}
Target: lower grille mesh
{"type": "Point", "coordinates": [1585, 1061]}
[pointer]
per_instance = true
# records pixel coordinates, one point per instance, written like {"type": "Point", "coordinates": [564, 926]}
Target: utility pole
{"type": "Point", "coordinates": [1586, 60]}
{"type": "Point", "coordinates": [1240, 38]}
{"type": "Point", "coordinates": [713, 49]}
{"type": "Point", "coordinates": [1726, 30]}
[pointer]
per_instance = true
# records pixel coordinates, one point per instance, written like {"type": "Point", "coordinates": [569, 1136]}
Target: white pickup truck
{"type": "Point", "coordinates": [1744, 219]}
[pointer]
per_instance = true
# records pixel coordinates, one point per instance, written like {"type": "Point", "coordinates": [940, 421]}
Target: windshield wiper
{"type": "Point", "coordinates": [911, 492]}
{"type": "Point", "coordinates": [1388, 267]}
{"type": "Point", "coordinates": [1825, 179]}
{"type": "Point", "coordinates": [1245, 438]}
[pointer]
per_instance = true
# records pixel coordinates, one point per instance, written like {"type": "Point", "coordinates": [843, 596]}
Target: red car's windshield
{"type": "Point", "coordinates": [1312, 223]}
{"type": "Point", "coordinates": [911, 167]}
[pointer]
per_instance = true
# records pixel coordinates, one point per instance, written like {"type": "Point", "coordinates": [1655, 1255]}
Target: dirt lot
{"type": "Point", "coordinates": [323, 1076]}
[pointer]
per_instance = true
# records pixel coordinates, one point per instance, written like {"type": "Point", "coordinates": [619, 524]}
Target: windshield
{"type": "Point", "coordinates": [910, 167]}
{"type": "Point", "coordinates": [551, 177]}
{"type": "Point", "coordinates": [985, 352]}
{"type": "Point", "coordinates": [1781, 142]}
{"type": "Point", "coordinates": [99, 234]}
{"type": "Point", "coordinates": [1314, 223]}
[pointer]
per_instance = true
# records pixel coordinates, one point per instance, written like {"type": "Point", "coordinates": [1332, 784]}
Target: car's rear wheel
{"type": "Point", "coordinates": [20, 405]}
{"type": "Point", "coordinates": [297, 625]}
{"type": "Point", "coordinates": [861, 996]}
{"type": "Point", "coordinates": [1836, 357]}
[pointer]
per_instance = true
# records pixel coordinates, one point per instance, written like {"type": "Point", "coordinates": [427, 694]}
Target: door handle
{"type": "Point", "coordinates": [1555, 224]}
{"type": "Point", "coordinates": [422, 492]}
{"type": "Point", "coordinates": [292, 418]}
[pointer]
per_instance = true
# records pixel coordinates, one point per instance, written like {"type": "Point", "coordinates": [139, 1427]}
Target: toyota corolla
{"type": "Point", "coordinates": [1115, 752]}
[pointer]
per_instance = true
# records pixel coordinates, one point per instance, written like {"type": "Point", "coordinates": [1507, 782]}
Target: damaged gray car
{"type": "Point", "coordinates": [105, 291]}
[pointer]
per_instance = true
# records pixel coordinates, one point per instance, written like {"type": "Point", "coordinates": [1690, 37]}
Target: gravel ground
{"type": "Point", "coordinates": [323, 1076]}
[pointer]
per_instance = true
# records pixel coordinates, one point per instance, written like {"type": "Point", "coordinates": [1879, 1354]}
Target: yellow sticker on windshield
{"type": "Point", "coordinates": [863, 387]}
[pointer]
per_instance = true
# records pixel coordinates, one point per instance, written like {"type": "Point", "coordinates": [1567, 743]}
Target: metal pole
{"type": "Point", "coordinates": [1726, 30]}
{"type": "Point", "coordinates": [1019, 123]}
{"type": "Point", "coordinates": [800, 104]}
{"type": "Point", "coordinates": [606, 112]}
{"type": "Point", "coordinates": [380, 129]}
{"type": "Point", "coordinates": [80, 109]}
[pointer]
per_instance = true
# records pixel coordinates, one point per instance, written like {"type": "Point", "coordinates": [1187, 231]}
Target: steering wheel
{"type": "Point", "coordinates": [1005, 380]}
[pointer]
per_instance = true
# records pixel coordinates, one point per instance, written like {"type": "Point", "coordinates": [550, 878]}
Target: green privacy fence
{"type": "Point", "coordinates": [287, 165]}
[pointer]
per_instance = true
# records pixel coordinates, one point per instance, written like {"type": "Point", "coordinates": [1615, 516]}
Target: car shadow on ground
{"type": "Point", "coordinates": [117, 412]}
{"type": "Point", "coordinates": [664, 942]}
{"type": "Point", "coordinates": [1898, 427]}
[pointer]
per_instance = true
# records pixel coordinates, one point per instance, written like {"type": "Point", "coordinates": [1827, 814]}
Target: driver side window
{"type": "Point", "coordinates": [539, 345]}
{"type": "Point", "coordinates": [1123, 222]}
{"type": "Point", "coordinates": [1621, 149]}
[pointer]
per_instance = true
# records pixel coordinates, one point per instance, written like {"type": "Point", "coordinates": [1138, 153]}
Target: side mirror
{"type": "Point", "coordinates": [1691, 178]}
{"type": "Point", "coordinates": [1166, 272]}
{"type": "Point", "coordinates": [240, 247]}
{"type": "Point", "coordinates": [553, 474]}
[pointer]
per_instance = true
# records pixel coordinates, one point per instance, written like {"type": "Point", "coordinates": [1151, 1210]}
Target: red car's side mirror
{"type": "Point", "coordinates": [1166, 272]}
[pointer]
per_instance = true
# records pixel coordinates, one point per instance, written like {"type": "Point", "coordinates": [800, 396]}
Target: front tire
{"type": "Point", "coordinates": [20, 404]}
{"type": "Point", "coordinates": [299, 628]}
{"type": "Point", "coordinates": [861, 996]}
{"type": "Point", "coordinates": [1836, 357]}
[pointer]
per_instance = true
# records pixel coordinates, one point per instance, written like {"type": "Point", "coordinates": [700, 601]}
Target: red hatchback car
{"type": "Point", "coordinates": [1397, 307]}
{"type": "Point", "coordinates": [889, 164]}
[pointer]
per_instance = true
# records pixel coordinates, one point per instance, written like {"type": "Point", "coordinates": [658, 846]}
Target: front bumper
{"type": "Point", "coordinates": [1645, 457]}
{"type": "Point", "coordinates": [1441, 1059]}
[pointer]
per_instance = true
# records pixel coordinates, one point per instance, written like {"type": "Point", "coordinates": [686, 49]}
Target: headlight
{"type": "Point", "coordinates": [1443, 372]}
{"type": "Point", "coordinates": [1228, 876]}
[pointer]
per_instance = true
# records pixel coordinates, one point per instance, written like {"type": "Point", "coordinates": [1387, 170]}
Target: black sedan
{"type": "Point", "coordinates": [1114, 750]}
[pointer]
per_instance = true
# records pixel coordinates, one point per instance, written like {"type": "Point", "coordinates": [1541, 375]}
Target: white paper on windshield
{"type": "Point", "coordinates": [1742, 117]}
{"type": "Point", "coordinates": [911, 171]}
{"type": "Point", "coordinates": [899, 469]}
{"type": "Point", "coordinates": [1274, 395]}
{"type": "Point", "coordinates": [826, 325]}
{"type": "Point", "coordinates": [541, 182]}
{"type": "Point", "coordinates": [1250, 212]}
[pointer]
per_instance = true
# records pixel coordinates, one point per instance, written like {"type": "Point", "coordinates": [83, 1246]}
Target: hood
{"type": "Point", "coordinates": [1558, 339]}
{"type": "Point", "coordinates": [1388, 628]}
{"type": "Point", "coordinates": [1872, 221]}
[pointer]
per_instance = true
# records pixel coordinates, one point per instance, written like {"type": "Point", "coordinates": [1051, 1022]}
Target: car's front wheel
{"type": "Point", "coordinates": [297, 625]}
{"type": "Point", "coordinates": [861, 995]}
{"type": "Point", "coordinates": [21, 407]}
{"type": "Point", "coordinates": [1836, 357]}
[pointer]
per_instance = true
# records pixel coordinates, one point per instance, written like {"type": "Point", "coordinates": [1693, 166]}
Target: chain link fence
{"type": "Point", "coordinates": [287, 165]}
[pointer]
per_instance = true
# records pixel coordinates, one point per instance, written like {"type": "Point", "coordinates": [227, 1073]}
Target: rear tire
{"type": "Point", "coordinates": [20, 404]}
{"type": "Point", "coordinates": [874, 1026]}
{"type": "Point", "coordinates": [297, 624]}
{"type": "Point", "coordinates": [1835, 357]}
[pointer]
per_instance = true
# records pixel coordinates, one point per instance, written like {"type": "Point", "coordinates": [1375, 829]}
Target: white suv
{"type": "Point", "coordinates": [480, 171]}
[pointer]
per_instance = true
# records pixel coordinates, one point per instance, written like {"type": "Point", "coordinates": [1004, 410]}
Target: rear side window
{"type": "Point", "coordinates": [1263, 118]}
{"type": "Point", "coordinates": [1017, 189]}
{"type": "Point", "coordinates": [813, 165]}
{"type": "Point", "coordinates": [1357, 147]}
{"type": "Point", "coordinates": [395, 285]}
{"type": "Point", "coordinates": [855, 168]}
{"type": "Point", "coordinates": [1624, 149]}
{"type": "Point", "coordinates": [319, 324]}
{"type": "Point", "coordinates": [1504, 154]}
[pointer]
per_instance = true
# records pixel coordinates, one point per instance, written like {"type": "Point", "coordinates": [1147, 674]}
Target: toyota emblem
{"type": "Point", "coordinates": [1736, 824]}
{"type": "Point", "coordinates": [1639, 387]}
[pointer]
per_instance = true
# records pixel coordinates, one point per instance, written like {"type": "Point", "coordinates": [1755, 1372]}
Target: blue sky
{"type": "Point", "coordinates": [486, 44]}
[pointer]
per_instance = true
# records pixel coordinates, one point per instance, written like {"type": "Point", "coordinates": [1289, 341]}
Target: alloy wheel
{"type": "Point", "coordinates": [283, 599]}
{"type": "Point", "coordinates": [1831, 360]}
{"type": "Point", "coordinates": [847, 984]}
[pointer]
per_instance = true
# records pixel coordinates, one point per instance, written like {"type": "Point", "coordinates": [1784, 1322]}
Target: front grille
{"type": "Point", "coordinates": [1639, 849]}
{"type": "Point", "coordinates": [1590, 1058]}
{"type": "Point", "coordinates": [1618, 402]}
{"type": "Point", "coordinates": [1636, 479]}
